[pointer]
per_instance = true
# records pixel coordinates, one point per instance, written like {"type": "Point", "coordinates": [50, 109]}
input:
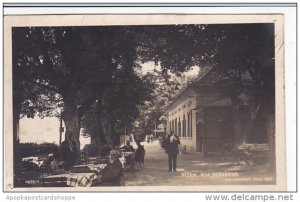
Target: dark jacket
{"type": "Point", "coordinates": [106, 150]}
{"type": "Point", "coordinates": [140, 154]}
{"type": "Point", "coordinates": [127, 148]}
{"type": "Point", "coordinates": [172, 146]}
{"type": "Point", "coordinates": [68, 153]}
{"type": "Point", "coordinates": [112, 174]}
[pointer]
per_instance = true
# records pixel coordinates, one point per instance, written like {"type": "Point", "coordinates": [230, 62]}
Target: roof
{"type": "Point", "coordinates": [210, 76]}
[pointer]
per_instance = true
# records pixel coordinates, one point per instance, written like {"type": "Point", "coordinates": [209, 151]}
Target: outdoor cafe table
{"type": "Point", "coordinates": [83, 179]}
{"type": "Point", "coordinates": [127, 153]}
{"type": "Point", "coordinates": [86, 178]}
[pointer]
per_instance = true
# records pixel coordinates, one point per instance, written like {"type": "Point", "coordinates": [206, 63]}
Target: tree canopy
{"type": "Point", "coordinates": [82, 67]}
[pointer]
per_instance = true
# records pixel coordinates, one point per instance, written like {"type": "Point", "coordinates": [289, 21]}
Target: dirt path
{"type": "Point", "coordinates": [192, 169]}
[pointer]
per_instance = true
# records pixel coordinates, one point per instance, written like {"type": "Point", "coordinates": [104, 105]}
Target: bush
{"type": "Point", "coordinates": [33, 149]}
{"type": "Point", "coordinates": [91, 150]}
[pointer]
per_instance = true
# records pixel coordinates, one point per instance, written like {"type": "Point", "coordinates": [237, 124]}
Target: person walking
{"type": "Point", "coordinates": [139, 154]}
{"type": "Point", "coordinates": [172, 150]}
{"type": "Point", "coordinates": [151, 138]}
{"type": "Point", "coordinates": [148, 138]}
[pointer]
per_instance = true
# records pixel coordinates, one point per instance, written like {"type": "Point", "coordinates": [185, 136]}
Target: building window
{"type": "Point", "coordinates": [191, 124]}
{"type": "Point", "coordinates": [175, 124]}
{"type": "Point", "coordinates": [188, 125]}
{"type": "Point", "coordinates": [179, 128]}
{"type": "Point", "coordinates": [183, 127]}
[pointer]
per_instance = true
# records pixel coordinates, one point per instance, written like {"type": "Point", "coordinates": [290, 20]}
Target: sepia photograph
{"type": "Point", "coordinates": [144, 102]}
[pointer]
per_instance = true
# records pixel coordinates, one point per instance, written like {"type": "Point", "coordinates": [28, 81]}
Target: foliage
{"type": "Point", "coordinates": [176, 48]}
{"type": "Point", "coordinates": [29, 99]}
{"type": "Point", "coordinates": [77, 63]}
{"type": "Point", "coordinates": [78, 67]}
{"type": "Point", "coordinates": [163, 94]}
{"type": "Point", "coordinates": [237, 51]}
{"type": "Point", "coordinates": [33, 149]}
{"type": "Point", "coordinates": [122, 101]}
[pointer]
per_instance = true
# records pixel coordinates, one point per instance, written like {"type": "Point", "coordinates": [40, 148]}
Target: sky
{"type": "Point", "coordinates": [149, 66]}
{"type": "Point", "coordinates": [39, 130]}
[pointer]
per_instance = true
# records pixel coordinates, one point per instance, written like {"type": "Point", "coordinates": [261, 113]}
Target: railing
{"type": "Point", "coordinates": [245, 154]}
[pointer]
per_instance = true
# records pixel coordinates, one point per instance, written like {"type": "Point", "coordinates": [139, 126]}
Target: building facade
{"type": "Point", "coordinates": [181, 118]}
{"type": "Point", "coordinates": [202, 116]}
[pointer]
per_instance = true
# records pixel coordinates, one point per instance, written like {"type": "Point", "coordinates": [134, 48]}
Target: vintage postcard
{"type": "Point", "coordinates": [131, 102]}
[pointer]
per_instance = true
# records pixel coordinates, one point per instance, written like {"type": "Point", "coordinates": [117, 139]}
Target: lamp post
{"type": "Point", "coordinates": [61, 129]}
{"type": "Point", "coordinates": [125, 135]}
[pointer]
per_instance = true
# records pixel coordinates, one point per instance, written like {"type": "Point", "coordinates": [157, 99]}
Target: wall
{"type": "Point", "coordinates": [190, 104]}
{"type": "Point", "coordinates": [188, 144]}
{"type": "Point", "coordinates": [184, 107]}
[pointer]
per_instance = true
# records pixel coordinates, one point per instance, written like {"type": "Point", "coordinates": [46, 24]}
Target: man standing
{"type": "Point", "coordinates": [172, 150]}
{"type": "Point", "coordinates": [69, 151]}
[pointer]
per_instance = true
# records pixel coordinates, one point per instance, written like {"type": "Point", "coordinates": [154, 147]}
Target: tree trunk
{"type": "Point", "coordinates": [109, 129]}
{"type": "Point", "coordinates": [99, 138]}
{"type": "Point", "coordinates": [244, 119]}
{"type": "Point", "coordinates": [94, 139]}
{"type": "Point", "coordinates": [240, 118]}
{"type": "Point", "coordinates": [16, 124]}
{"type": "Point", "coordinates": [71, 117]}
{"type": "Point", "coordinates": [115, 135]}
{"type": "Point", "coordinates": [101, 135]}
{"type": "Point", "coordinates": [94, 135]}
